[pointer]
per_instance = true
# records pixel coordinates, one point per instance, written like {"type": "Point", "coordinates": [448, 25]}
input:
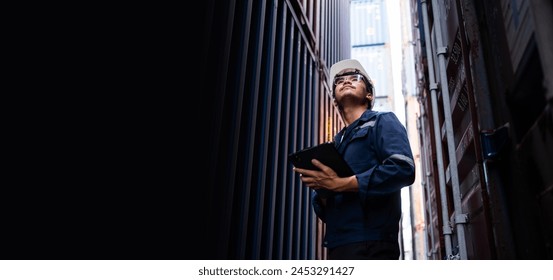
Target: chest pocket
{"type": "Point", "coordinates": [363, 130]}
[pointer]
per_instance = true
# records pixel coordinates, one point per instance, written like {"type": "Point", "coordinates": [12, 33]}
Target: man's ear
{"type": "Point", "coordinates": [369, 97]}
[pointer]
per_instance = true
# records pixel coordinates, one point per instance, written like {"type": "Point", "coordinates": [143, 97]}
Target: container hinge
{"type": "Point", "coordinates": [494, 142]}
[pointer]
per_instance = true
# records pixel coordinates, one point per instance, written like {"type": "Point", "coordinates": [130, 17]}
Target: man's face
{"type": "Point", "coordinates": [349, 84]}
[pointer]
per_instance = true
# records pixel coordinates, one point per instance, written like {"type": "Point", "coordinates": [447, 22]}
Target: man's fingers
{"type": "Point", "coordinates": [324, 168]}
{"type": "Point", "coordinates": [306, 172]}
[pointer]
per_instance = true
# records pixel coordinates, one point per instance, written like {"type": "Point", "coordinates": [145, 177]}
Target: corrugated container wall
{"type": "Point", "coordinates": [267, 62]}
{"type": "Point", "coordinates": [486, 127]}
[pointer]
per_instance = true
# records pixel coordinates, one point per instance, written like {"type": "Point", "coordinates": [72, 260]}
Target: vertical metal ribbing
{"type": "Point", "coordinates": [426, 185]}
{"type": "Point", "coordinates": [436, 121]}
{"type": "Point", "coordinates": [269, 99]}
{"type": "Point", "coordinates": [460, 218]}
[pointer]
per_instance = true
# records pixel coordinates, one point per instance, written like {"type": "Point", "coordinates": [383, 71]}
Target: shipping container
{"type": "Point", "coordinates": [486, 127]}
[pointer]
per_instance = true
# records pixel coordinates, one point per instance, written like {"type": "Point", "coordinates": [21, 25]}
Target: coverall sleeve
{"type": "Point", "coordinates": [395, 168]}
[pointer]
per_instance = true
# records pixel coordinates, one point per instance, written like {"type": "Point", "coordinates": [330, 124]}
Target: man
{"type": "Point", "coordinates": [362, 212]}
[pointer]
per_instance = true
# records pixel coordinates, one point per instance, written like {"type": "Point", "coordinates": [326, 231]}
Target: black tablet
{"type": "Point", "coordinates": [325, 153]}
